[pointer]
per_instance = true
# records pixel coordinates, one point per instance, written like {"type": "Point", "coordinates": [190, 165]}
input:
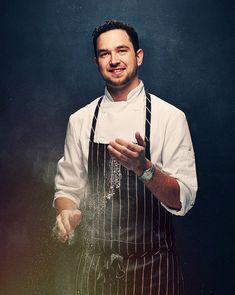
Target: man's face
{"type": "Point", "coordinates": [116, 59]}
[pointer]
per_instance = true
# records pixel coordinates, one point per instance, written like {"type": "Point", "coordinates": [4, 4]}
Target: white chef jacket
{"type": "Point", "coordinates": [170, 143]}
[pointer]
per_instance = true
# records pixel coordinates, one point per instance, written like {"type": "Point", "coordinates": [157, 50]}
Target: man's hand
{"type": "Point", "coordinates": [130, 155]}
{"type": "Point", "coordinates": [66, 222]}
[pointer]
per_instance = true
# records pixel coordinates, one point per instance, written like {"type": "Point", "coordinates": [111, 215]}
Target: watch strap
{"type": "Point", "coordinates": [147, 174]}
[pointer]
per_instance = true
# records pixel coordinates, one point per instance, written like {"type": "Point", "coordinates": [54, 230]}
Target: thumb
{"type": "Point", "coordinates": [75, 218]}
{"type": "Point", "coordinates": [139, 139]}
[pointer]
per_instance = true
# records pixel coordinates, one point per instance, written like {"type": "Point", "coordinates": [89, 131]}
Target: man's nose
{"type": "Point", "coordinates": [114, 59]}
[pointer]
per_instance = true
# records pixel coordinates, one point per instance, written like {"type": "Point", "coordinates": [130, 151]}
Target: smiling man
{"type": "Point", "coordinates": [128, 166]}
{"type": "Point", "coordinates": [117, 60]}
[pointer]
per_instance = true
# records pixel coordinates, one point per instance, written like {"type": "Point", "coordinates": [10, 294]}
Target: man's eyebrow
{"type": "Point", "coordinates": [122, 46]}
{"type": "Point", "coordinates": [102, 50]}
{"type": "Point", "coordinates": [107, 50]}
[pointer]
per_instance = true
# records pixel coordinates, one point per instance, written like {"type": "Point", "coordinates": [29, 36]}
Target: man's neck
{"type": "Point", "coordinates": [121, 93]}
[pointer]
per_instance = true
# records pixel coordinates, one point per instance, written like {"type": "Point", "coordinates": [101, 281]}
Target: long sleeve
{"type": "Point", "coordinates": [171, 145]}
{"type": "Point", "coordinates": [179, 161]}
{"type": "Point", "coordinates": [71, 177]}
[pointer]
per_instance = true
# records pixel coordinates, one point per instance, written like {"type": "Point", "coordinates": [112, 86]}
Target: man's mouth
{"type": "Point", "coordinates": [117, 71]}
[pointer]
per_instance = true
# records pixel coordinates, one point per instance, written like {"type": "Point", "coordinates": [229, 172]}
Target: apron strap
{"type": "Point", "coordinates": [147, 126]}
{"type": "Point", "coordinates": [95, 120]}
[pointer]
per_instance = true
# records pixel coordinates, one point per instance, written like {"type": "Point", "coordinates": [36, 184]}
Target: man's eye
{"type": "Point", "coordinates": [103, 54]}
{"type": "Point", "coordinates": [122, 51]}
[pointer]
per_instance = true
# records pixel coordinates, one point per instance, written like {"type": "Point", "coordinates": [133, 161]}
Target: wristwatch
{"type": "Point", "coordinates": [147, 174]}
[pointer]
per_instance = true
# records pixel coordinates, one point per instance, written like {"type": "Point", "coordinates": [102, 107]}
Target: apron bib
{"type": "Point", "coordinates": [126, 238]}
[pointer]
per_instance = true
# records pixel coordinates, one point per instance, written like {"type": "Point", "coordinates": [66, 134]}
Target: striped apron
{"type": "Point", "coordinates": [126, 239]}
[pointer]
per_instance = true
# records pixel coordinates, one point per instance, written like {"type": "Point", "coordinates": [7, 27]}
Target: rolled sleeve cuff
{"type": "Point", "coordinates": [187, 199]}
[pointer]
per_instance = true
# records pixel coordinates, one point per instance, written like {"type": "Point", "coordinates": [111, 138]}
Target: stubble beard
{"type": "Point", "coordinates": [121, 83]}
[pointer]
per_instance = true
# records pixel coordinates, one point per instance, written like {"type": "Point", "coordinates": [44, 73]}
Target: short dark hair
{"type": "Point", "coordinates": [112, 25]}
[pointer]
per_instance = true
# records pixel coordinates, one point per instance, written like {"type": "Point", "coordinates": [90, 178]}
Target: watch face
{"type": "Point", "coordinates": [148, 174]}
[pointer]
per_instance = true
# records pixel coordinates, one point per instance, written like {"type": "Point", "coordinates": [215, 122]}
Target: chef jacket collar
{"type": "Point", "coordinates": [134, 93]}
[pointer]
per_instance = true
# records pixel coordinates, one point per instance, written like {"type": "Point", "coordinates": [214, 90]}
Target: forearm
{"type": "Point", "coordinates": [132, 156]}
{"type": "Point", "coordinates": [63, 203]}
{"type": "Point", "coordinates": [164, 187]}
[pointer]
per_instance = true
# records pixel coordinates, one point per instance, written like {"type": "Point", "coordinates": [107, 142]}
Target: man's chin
{"type": "Point", "coordinates": [118, 84]}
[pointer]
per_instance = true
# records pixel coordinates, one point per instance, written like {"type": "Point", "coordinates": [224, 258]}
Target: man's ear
{"type": "Point", "coordinates": [139, 56]}
{"type": "Point", "coordinates": [95, 61]}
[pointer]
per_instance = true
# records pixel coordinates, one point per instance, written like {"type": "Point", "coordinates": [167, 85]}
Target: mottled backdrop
{"type": "Point", "coordinates": [47, 73]}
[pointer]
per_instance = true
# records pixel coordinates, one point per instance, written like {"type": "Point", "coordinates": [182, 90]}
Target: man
{"type": "Point", "coordinates": [128, 165]}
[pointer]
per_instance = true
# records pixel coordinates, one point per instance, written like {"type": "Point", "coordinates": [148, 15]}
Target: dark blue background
{"type": "Point", "coordinates": [47, 73]}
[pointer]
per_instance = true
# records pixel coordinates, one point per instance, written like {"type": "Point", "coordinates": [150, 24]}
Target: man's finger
{"type": "Point", "coordinates": [75, 218]}
{"type": "Point", "coordinates": [122, 150]}
{"type": "Point", "coordinates": [126, 148]}
{"type": "Point", "coordinates": [59, 230]}
{"type": "Point", "coordinates": [139, 139]}
{"type": "Point", "coordinates": [130, 146]}
{"type": "Point", "coordinates": [66, 220]}
{"type": "Point", "coordinates": [115, 153]}
{"type": "Point", "coordinates": [122, 159]}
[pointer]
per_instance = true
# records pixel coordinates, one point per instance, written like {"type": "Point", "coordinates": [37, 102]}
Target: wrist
{"type": "Point", "coordinates": [63, 203]}
{"type": "Point", "coordinates": [140, 170]}
{"type": "Point", "coordinates": [148, 173]}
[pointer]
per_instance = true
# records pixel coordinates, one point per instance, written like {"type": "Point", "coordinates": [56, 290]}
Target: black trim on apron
{"type": "Point", "coordinates": [127, 238]}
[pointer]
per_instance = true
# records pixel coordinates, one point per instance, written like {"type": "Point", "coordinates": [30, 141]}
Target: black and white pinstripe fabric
{"type": "Point", "coordinates": [127, 244]}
